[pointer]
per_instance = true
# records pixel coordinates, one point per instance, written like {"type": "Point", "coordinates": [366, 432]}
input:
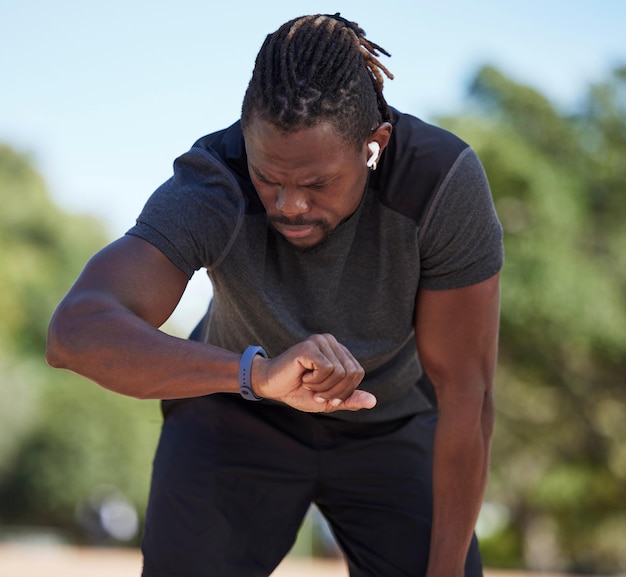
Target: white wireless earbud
{"type": "Point", "coordinates": [373, 159]}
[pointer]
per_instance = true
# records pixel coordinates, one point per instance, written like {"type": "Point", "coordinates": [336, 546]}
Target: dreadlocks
{"type": "Point", "coordinates": [319, 68]}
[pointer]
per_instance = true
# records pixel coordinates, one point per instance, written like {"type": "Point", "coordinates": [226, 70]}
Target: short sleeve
{"type": "Point", "coordinates": [461, 237]}
{"type": "Point", "coordinates": [193, 217]}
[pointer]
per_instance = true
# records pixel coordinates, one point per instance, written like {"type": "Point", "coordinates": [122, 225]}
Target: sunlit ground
{"type": "Point", "coordinates": [65, 561]}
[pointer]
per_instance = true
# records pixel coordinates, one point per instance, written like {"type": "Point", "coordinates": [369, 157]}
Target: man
{"type": "Point", "coordinates": [354, 255]}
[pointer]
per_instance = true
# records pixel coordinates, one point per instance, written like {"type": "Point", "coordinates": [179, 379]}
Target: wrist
{"type": "Point", "coordinates": [257, 376]}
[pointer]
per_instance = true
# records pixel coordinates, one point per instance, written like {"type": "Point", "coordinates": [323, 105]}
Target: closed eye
{"type": "Point", "coordinates": [319, 186]}
{"type": "Point", "coordinates": [264, 180]}
{"type": "Point", "coordinates": [322, 184]}
{"type": "Point", "coordinates": [258, 176]}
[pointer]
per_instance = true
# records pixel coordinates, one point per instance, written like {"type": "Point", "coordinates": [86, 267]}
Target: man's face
{"type": "Point", "coordinates": [309, 181]}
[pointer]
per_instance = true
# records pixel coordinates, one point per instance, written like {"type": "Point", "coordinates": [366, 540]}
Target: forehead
{"type": "Point", "coordinates": [271, 148]}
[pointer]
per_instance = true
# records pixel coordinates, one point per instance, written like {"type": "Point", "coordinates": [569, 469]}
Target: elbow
{"type": "Point", "coordinates": [469, 384]}
{"type": "Point", "coordinates": [466, 399]}
{"type": "Point", "coordinates": [54, 356]}
{"type": "Point", "coordinates": [488, 416]}
{"type": "Point", "coordinates": [63, 339]}
{"type": "Point", "coordinates": [56, 343]}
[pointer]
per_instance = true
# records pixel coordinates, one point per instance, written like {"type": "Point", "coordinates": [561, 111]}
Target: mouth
{"type": "Point", "coordinates": [294, 231]}
{"type": "Point", "coordinates": [301, 232]}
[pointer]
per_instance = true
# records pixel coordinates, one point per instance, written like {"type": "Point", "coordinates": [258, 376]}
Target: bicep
{"type": "Point", "coordinates": [456, 333]}
{"type": "Point", "coordinates": [131, 273]}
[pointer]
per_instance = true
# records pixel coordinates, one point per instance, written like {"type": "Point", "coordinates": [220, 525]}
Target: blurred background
{"type": "Point", "coordinates": [96, 101]}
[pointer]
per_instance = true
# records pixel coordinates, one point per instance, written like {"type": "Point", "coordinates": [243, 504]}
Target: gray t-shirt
{"type": "Point", "coordinates": [426, 221]}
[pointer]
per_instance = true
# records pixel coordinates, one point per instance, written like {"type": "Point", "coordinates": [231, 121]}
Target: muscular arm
{"type": "Point", "coordinates": [106, 329]}
{"type": "Point", "coordinates": [456, 332]}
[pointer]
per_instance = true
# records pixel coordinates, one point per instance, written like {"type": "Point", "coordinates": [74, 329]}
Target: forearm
{"type": "Point", "coordinates": [460, 471]}
{"type": "Point", "coordinates": [102, 341]}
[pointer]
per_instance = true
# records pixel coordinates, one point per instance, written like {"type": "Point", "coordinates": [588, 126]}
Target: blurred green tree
{"type": "Point", "coordinates": [61, 437]}
{"type": "Point", "coordinates": [41, 250]}
{"type": "Point", "coordinates": [559, 458]}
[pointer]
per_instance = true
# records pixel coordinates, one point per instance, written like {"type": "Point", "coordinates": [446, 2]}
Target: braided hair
{"type": "Point", "coordinates": [319, 68]}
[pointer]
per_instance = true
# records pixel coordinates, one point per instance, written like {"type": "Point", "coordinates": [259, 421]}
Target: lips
{"type": "Point", "coordinates": [294, 231]}
{"type": "Point", "coordinates": [301, 231]}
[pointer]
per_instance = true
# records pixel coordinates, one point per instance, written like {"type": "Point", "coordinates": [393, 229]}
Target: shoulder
{"type": "Point", "coordinates": [415, 164]}
{"type": "Point", "coordinates": [413, 133]}
{"type": "Point", "coordinates": [228, 147]}
{"type": "Point", "coordinates": [194, 216]}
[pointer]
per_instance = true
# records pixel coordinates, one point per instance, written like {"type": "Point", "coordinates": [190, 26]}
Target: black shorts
{"type": "Point", "coordinates": [233, 481]}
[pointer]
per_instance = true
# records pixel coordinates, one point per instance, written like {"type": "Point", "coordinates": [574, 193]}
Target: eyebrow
{"type": "Point", "coordinates": [313, 181]}
{"type": "Point", "coordinates": [258, 172]}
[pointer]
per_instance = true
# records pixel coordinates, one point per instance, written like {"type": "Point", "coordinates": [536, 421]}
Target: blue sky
{"type": "Point", "coordinates": [105, 95]}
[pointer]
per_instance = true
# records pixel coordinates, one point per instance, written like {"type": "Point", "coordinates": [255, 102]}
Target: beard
{"type": "Point", "coordinates": [300, 220]}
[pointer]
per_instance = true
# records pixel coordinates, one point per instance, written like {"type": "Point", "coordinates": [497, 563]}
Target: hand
{"type": "Point", "coordinates": [316, 375]}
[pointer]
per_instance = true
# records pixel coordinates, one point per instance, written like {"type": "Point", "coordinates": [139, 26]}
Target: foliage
{"type": "Point", "coordinates": [61, 437]}
{"type": "Point", "coordinates": [84, 440]}
{"type": "Point", "coordinates": [41, 251]}
{"type": "Point", "coordinates": [559, 458]}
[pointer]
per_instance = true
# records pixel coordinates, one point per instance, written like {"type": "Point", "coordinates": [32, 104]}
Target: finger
{"type": "Point", "coordinates": [355, 402]}
{"type": "Point", "coordinates": [336, 391]}
{"type": "Point", "coordinates": [319, 360]}
{"type": "Point", "coordinates": [323, 362]}
{"type": "Point", "coordinates": [345, 375]}
{"type": "Point", "coordinates": [340, 386]}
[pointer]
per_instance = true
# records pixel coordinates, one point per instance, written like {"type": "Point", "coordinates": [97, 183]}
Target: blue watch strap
{"type": "Point", "coordinates": [245, 370]}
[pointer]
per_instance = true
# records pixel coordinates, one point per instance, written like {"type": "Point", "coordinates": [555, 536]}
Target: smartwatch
{"type": "Point", "coordinates": [245, 370]}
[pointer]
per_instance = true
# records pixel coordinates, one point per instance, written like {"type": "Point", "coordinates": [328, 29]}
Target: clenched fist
{"type": "Point", "coordinates": [316, 375]}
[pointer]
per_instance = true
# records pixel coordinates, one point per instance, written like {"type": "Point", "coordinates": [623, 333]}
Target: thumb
{"type": "Point", "coordinates": [358, 400]}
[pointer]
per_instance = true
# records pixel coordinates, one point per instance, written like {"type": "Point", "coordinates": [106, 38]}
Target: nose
{"type": "Point", "coordinates": [292, 202]}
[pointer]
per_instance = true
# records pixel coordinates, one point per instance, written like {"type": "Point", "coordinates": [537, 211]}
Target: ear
{"type": "Point", "coordinates": [377, 142]}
